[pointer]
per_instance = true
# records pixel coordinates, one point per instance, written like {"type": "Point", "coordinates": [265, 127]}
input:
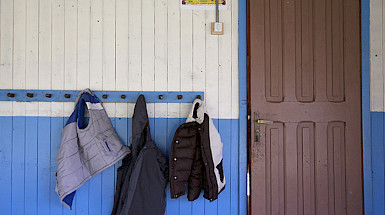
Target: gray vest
{"type": "Point", "coordinates": [85, 150]}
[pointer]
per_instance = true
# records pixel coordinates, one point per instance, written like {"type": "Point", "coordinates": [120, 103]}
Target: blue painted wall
{"type": "Point", "coordinates": [242, 61]}
{"type": "Point", "coordinates": [28, 149]}
{"type": "Point", "coordinates": [373, 115]}
{"type": "Point", "coordinates": [366, 114]}
{"type": "Point", "coordinates": [72, 45]}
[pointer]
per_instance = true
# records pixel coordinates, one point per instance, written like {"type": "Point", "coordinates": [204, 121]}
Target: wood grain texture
{"type": "Point", "coordinates": [117, 45]}
{"type": "Point", "coordinates": [139, 45]}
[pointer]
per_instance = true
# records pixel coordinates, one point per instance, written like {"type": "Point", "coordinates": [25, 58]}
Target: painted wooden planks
{"type": "Point", "coordinates": [224, 198]}
{"type": "Point", "coordinates": [108, 185]}
{"type": "Point", "coordinates": [121, 50]}
{"type": "Point", "coordinates": [109, 76]}
{"type": "Point", "coordinates": [75, 202]}
{"type": "Point", "coordinates": [376, 56]}
{"type": "Point", "coordinates": [19, 50]}
{"type": "Point", "coordinates": [58, 52]}
{"type": "Point", "coordinates": [366, 115]}
{"type": "Point", "coordinates": [44, 165]}
{"type": "Point", "coordinates": [373, 132]}
{"type": "Point", "coordinates": [45, 52]}
{"type": "Point", "coordinates": [378, 162]}
{"type": "Point", "coordinates": [36, 153]}
{"type": "Point", "coordinates": [55, 138]}
{"type": "Point", "coordinates": [6, 51]}
{"type": "Point", "coordinates": [6, 127]}
{"type": "Point", "coordinates": [234, 168]}
{"type": "Point", "coordinates": [18, 138]}
{"type": "Point", "coordinates": [68, 52]}
{"type": "Point", "coordinates": [241, 110]}
{"type": "Point", "coordinates": [70, 47]}
{"type": "Point", "coordinates": [96, 45]}
{"type": "Point", "coordinates": [83, 44]}
{"type": "Point", "coordinates": [96, 83]}
{"type": "Point", "coordinates": [225, 97]}
{"type": "Point", "coordinates": [32, 49]}
{"type": "Point", "coordinates": [31, 165]}
{"type": "Point", "coordinates": [173, 205]}
{"type": "Point", "coordinates": [148, 45]}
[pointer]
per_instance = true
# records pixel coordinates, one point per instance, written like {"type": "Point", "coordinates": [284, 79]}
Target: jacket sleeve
{"type": "Point", "coordinates": [163, 165]}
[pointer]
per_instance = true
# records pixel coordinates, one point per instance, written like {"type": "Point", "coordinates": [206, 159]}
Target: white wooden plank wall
{"type": "Point", "coordinates": [377, 55]}
{"type": "Point", "coordinates": [121, 45]}
{"type": "Point", "coordinates": [6, 52]}
{"type": "Point", "coordinates": [32, 54]}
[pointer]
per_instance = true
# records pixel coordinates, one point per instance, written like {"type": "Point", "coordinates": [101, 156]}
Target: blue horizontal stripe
{"type": "Point", "coordinates": [112, 96]}
{"type": "Point", "coordinates": [35, 163]}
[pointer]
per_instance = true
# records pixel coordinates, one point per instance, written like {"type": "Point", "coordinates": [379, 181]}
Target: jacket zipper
{"type": "Point", "coordinates": [107, 146]}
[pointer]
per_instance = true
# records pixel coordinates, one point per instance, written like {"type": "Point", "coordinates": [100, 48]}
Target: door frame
{"type": "Point", "coordinates": [244, 104]}
{"type": "Point", "coordinates": [366, 116]}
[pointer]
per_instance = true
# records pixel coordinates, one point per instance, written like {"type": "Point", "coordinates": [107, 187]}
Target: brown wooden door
{"type": "Point", "coordinates": [304, 67]}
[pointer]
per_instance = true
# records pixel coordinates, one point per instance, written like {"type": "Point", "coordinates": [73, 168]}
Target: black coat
{"type": "Point", "coordinates": [143, 176]}
{"type": "Point", "coordinates": [196, 157]}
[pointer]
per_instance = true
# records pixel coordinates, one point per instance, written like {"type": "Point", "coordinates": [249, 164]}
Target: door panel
{"type": "Point", "coordinates": [273, 69]}
{"type": "Point", "coordinates": [304, 72]}
{"type": "Point", "coordinates": [335, 50]}
{"type": "Point", "coordinates": [336, 165]}
{"type": "Point", "coordinates": [306, 168]}
{"type": "Point", "coordinates": [274, 168]}
{"type": "Point", "coordinates": [304, 67]}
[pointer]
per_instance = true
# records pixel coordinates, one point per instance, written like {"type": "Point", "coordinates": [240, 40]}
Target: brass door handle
{"type": "Point", "coordinates": [264, 121]}
{"type": "Point", "coordinates": [257, 122]}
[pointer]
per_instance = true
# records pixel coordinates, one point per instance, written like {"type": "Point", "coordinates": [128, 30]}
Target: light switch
{"type": "Point", "coordinates": [217, 28]}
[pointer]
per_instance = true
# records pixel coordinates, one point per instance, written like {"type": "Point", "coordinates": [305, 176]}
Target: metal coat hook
{"type": "Point", "coordinates": [11, 95]}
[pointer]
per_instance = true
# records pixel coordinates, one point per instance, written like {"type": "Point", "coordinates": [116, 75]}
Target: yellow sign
{"type": "Point", "coordinates": [202, 2]}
